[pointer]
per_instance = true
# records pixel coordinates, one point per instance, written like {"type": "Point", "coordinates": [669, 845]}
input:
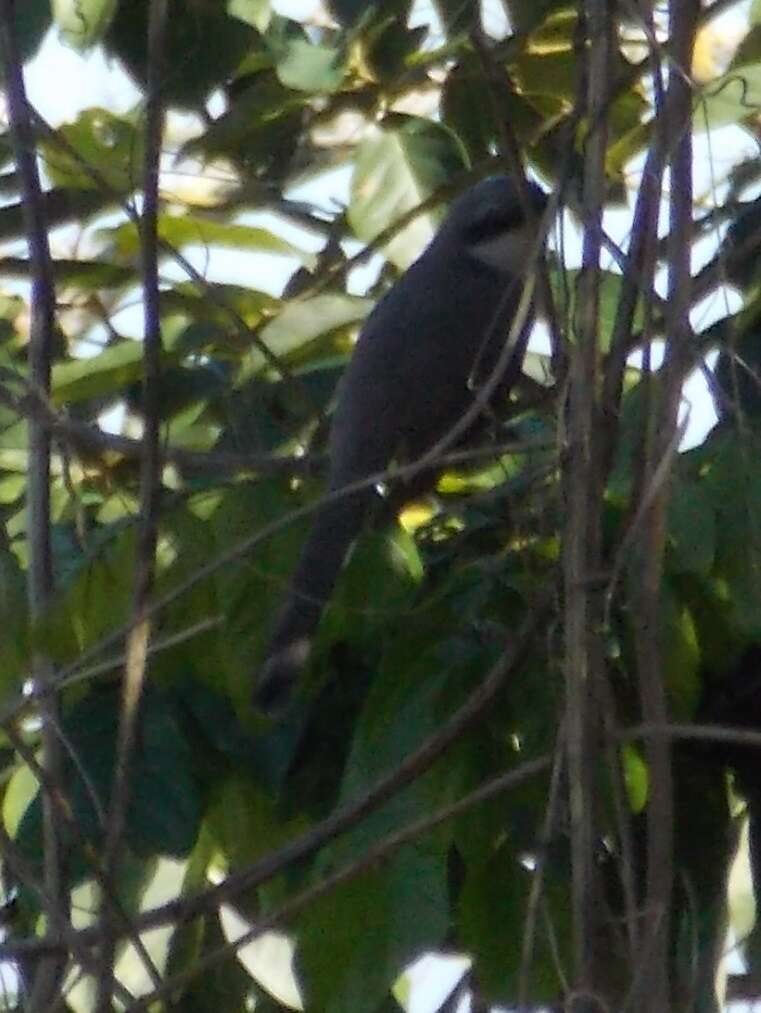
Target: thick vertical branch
{"type": "Point", "coordinates": [150, 487]}
{"type": "Point", "coordinates": [582, 540]}
{"type": "Point", "coordinates": [40, 571]}
{"type": "Point", "coordinates": [649, 562]}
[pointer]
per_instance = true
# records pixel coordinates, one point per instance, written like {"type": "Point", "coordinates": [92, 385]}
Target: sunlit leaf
{"type": "Point", "coordinates": [105, 147]}
{"type": "Point", "coordinates": [83, 22]}
{"type": "Point", "coordinates": [397, 167]}
{"type": "Point", "coordinates": [310, 67]}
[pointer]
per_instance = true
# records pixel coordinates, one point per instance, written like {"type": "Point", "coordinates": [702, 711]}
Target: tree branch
{"type": "Point", "coordinates": [40, 572]}
{"type": "Point", "coordinates": [150, 496]}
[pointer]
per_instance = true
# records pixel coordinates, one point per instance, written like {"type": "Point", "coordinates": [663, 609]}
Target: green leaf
{"type": "Point", "coordinates": [397, 167]}
{"type": "Point", "coordinates": [610, 296]}
{"type": "Point", "coordinates": [302, 321]}
{"type": "Point", "coordinates": [106, 373]}
{"type": "Point", "coordinates": [97, 598]}
{"type": "Point", "coordinates": [82, 23]}
{"type": "Point", "coordinates": [20, 792]}
{"type": "Point", "coordinates": [202, 36]}
{"type": "Point", "coordinates": [244, 822]}
{"type": "Point", "coordinates": [490, 915]}
{"type": "Point", "coordinates": [635, 777]}
{"type": "Point", "coordinates": [733, 482]}
{"type": "Point", "coordinates": [60, 206]}
{"type": "Point", "coordinates": [31, 22]}
{"type": "Point", "coordinates": [468, 107]}
{"type": "Point", "coordinates": [379, 583]}
{"type": "Point", "coordinates": [257, 13]}
{"type": "Point", "coordinates": [732, 98]}
{"type": "Point", "coordinates": [15, 656]}
{"type": "Point", "coordinates": [354, 942]}
{"type": "Point", "coordinates": [691, 529]}
{"type": "Point", "coordinates": [491, 926]}
{"type": "Point", "coordinates": [164, 814]}
{"type": "Point", "coordinates": [681, 656]}
{"type": "Point", "coordinates": [185, 230]}
{"type": "Point", "coordinates": [262, 125]}
{"type": "Point", "coordinates": [309, 67]}
{"type": "Point", "coordinates": [88, 275]}
{"type": "Point", "coordinates": [108, 144]}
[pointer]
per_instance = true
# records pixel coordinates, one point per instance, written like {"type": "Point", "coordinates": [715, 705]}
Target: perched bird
{"type": "Point", "coordinates": [416, 369]}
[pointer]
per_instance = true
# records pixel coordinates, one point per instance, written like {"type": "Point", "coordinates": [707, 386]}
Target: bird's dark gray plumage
{"type": "Point", "coordinates": [414, 372]}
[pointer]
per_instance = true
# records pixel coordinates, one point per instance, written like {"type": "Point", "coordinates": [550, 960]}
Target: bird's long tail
{"type": "Point", "coordinates": [335, 528]}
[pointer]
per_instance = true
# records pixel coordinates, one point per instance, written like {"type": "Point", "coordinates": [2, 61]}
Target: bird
{"type": "Point", "coordinates": [422, 353]}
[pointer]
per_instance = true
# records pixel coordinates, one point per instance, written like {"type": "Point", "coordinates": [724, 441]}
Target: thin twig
{"type": "Point", "coordinates": [150, 493]}
{"type": "Point", "coordinates": [656, 939]}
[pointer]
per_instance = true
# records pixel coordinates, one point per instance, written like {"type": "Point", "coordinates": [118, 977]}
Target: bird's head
{"type": "Point", "coordinates": [489, 224]}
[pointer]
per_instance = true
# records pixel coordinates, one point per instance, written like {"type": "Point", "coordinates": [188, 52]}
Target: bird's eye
{"type": "Point", "coordinates": [487, 226]}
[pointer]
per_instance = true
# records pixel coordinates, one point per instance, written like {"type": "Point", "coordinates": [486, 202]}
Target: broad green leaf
{"type": "Point", "coordinates": [610, 296]}
{"type": "Point", "coordinates": [491, 920]}
{"type": "Point", "coordinates": [186, 230]}
{"type": "Point", "coordinates": [399, 165]}
{"type": "Point", "coordinates": [224, 985]}
{"type": "Point", "coordinates": [202, 36]}
{"type": "Point", "coordinates": [261, 126]}
{"type": "Point", "coordinates": [526, 15]}
{"type": "Point", "coordinates": [15, 654]}
{"type": "Point", "coordinates": [691, 529]}
{"type": "Point", "coordinates": [733, 98]}
{"type": "Point", "coordinates": [61, 205]}
{"type": "Point", "coordinates": [310, 67]}
{"type": "Point", "coordinates": [164, 813]}
{"type": "Point", "coordinates": [635, 777]}
{"type": "Point", "coordinates": [20, 792]}
{"type": "Point", "coordinates": [257, 13]}
{"type": "Point", "coordinates": [97, 599]}
{"type": "Point", "coordinates": [302, 321]}
{"type": "Point", "coordinates": [354, 942]}
{"type": "Point", "coordinates": [490, 916]}
{"type": "Point", "coordinates": [85, 274]}
{"type": "Point", "coordinates": [681, 656]}
{"type": "Point", "coordinates": [244, 822]}
{"type": "Point", "coordinates": [83, 22]}
{"type": "Point", "coordinates": [106, 373]}
{"type": "Point", "coordinates": [166, 810]}
{"type": "Point", "coordinates": [378, 584]}
{"type": "Point", "coordinates": [468, 109]}
{"type": "Point", "coordinates": [108, 144]}
{"type": "Point", "coordinates": [31, 22]}
{"type": "Point", "coordinates": [733, 482]}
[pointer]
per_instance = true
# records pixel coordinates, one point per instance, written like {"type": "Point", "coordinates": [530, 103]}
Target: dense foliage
{"type": "Point", "coordinates": [470, 592]}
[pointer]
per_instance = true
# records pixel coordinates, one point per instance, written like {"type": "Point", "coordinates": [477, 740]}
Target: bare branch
{"type": "Point", "coordinates": [582, 531]}
{"type": "Point", "coordinates": [40, 572]}
{"type": "Point", "coordinates": [150, 494]}
{"type": "Point", "coordinates": [654, 989]}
